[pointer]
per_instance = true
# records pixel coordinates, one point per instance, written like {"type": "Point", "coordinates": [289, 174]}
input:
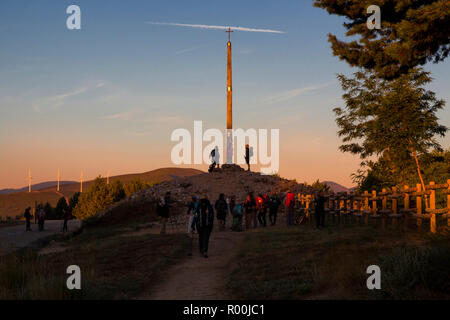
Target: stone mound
{"type": "Point", "coordinates": [232, 180]}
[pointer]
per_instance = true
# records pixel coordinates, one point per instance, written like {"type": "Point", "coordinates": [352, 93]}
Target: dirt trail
{"type": "Point", "coordinates": [15, 237]}
{"type": "Point", "coordinates": [199, 278]}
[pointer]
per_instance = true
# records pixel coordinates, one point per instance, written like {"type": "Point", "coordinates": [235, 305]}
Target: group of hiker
{"type": "Point", "coordinates": [40, 217]}
{"type": "Point", "coordinates": [251, 209]}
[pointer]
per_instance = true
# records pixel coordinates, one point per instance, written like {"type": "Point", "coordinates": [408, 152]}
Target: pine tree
{"type": "Point", "coordinates": [393, 120]}
{"type": "Point", "coordinates": [412, 33]}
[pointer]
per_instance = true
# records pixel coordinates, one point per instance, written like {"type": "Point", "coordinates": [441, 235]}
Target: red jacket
{"type": "Point", "coordinates": [289, 200]}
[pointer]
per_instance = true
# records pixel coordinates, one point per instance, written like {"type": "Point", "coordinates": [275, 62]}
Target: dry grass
{"type": "Point", "coordinates": [305, 263]}
{"type": "Point", "coordinates": [112, 266]}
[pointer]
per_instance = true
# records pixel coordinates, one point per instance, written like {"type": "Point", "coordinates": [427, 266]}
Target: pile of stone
{"type": "Point", "coordinates": [232, 180]}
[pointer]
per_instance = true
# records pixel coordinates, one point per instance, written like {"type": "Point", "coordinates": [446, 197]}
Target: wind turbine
{"type": "Point", "coordinates": [29, 180]}
{"type": "Point", "coordinates": [81, 182]}
{"type": "Point", "coordinates": [59, 176]}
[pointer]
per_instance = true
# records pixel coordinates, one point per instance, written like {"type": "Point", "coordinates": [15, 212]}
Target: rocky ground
{"type": "Point", "coordinates": [229, 179]}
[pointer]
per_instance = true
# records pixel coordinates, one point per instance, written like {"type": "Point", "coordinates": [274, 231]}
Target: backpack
{"type": "Point", "coordinates": [237, 210]}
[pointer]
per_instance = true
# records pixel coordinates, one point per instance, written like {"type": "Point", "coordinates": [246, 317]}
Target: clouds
{"type": "Point", "coordinates": [291, 94]}
{"type": "Point", "coordinates": [213, 27]}
{"type": "Point", "coordinates": [59, 100]}
{"type": "Point", "coordinates": [143, 116]}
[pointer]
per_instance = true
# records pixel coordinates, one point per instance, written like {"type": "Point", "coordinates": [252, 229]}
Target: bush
{"type": "Point", "coordinates": [412, 270]}
{"type": "Point", "coordinates": [98, 197]}
{"type": "Point", "coordinates": [135, 185]}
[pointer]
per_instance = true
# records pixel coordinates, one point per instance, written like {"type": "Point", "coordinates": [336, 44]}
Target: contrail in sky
{"type": "Point", "coordinates": [204, 26]}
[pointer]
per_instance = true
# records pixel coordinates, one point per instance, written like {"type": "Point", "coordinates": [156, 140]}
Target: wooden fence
{"type": "Point", "coordinates": [395, 205]}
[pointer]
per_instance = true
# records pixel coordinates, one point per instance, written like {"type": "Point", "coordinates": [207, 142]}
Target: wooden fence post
{"type": "Point", "coordinates": [406, 205]}
{"type": "Point", "coordinates": [394, 206]}
{"type": "Point", "coordinates": [432, 207]}
{"type": "Point", "coordinates": [383, 207]}
{"type": "Point", "coordinates": [374, 202]}
{"type": "Point", "coordinates": [448, 202]}
{"type": "Point", "coordinates": [366, 207]}
{"type": "Point", "coordinates": [419, 204]}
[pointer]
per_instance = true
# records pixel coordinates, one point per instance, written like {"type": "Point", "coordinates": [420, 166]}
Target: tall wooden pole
{"type": "Point", "coordinates": [229, 158]}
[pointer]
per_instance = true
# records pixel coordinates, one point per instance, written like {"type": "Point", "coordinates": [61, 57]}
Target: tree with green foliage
{"type": "Point", "coordinates": [73, 201]}
{"type": "Point", "coordinates": [394, 120]}
{"type": "Point", "coordinates": [116, 190]}
{"type": "Point", "coordinates": [49, 211]}
{"type": "Point", "coordinates": [435, 164]}
{"type": "Point", "coordinates": [412, 33]}
{"type": "Point", "coordinates": [98, 197]}
{"type": "Point", "coordinates": [61, 208]}
{"type": "Point", "coordinates": [319, 186]}
{"type": "Point", "coordinates": [135, 185]}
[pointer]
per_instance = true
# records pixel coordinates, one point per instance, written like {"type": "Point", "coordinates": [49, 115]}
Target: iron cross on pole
{"type": "Point", "coordinates": [229, 31]}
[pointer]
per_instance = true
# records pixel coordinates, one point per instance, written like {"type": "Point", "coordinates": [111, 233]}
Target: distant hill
{"type": "Point", "coordinates": [38, 186]}
{"type": "Point", "coordinates": [13, 203]}
{"type": "Point", "coordinates": [336, 187]}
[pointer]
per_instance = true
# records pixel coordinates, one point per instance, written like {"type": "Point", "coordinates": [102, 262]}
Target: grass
{"type": "Point", "coordinates": [304, 263]}
{"type": "Point", "coordinates": [113, 266]}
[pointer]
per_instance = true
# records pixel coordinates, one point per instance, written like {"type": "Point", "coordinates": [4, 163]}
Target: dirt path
{"type": "Point", "coordinates": [199, 278]}
{"type": "Point", "coordinates": [14, 237]}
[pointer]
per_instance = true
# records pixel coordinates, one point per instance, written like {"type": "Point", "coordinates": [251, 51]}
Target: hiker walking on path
{"type": "Point", "coordinates": [193, 209]}
{"type": "Point", "coordinates": [221, 209]}
{"type": "Point", "coordinates": [289, 207]}
{"type": "Point", "coordinates": [204, 225]}
{"type": "Point", "coordinates": [163, 211]}
{"type": "Point", "coordinates": [41, 219]}
{"type": "Point", "coordinates": [320, 210]}
{"type": "Point", "coordinates": [250, 211]}
{"type": "Point", "coordinates": [192, 212]}
{"type": "Point", "coordinates": [248, 154]}
{"type": "Point", "coordinates": [261, 205]}
{"type": "Point", "coordinates": [27, 216]}
{"type": "Point", "coordinates": [237, 212]}
{"type": "Point", "coordinates": [231, 202]}
{"type": "Point", "coordinates": [67, 216]}
{"type": "Point", "coordinates": [274, 204]}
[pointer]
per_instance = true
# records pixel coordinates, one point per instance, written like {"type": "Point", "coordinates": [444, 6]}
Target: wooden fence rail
{"type": "Point", "coordinates": [395, 205]}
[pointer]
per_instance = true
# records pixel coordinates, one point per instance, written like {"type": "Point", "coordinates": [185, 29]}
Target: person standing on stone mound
{"type": "Point", "coordinates": [248, 155]}
{"type": "Point", "coordinates": [204, 224]}
{"type": "Point", "coordinates": [215, 156]}
{"type": "Point", "coordinates": [221, 207]}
